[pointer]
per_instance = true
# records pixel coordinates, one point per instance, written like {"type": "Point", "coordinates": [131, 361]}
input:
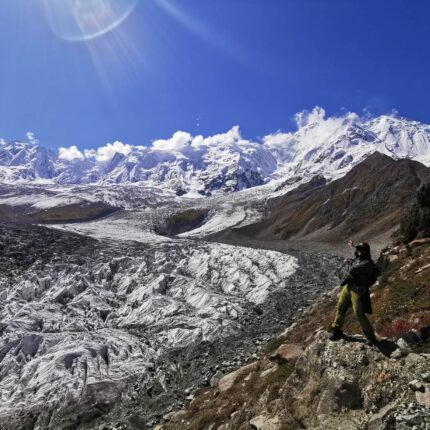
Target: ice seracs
{"type": "Point", "coordinates": [85, 321]}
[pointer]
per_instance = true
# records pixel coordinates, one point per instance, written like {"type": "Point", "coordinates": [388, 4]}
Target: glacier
{"type": "Point", "coordinates": [82, 319]}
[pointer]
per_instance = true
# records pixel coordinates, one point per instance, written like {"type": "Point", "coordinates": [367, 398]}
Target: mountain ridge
{"type": "Point", "coordinates": [373, 193]}
{"type": "Point", "coordinates": [328, 146]}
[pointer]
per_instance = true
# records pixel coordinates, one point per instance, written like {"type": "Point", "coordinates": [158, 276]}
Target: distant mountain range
{"type": "Point", "coordinates": [226, 162]}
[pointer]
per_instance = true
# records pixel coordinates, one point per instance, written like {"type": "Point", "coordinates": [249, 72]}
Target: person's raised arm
{"type": "Point", "coordinates": [350, 243]}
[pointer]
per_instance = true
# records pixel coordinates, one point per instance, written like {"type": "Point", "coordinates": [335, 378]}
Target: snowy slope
{"type": "Point", "coordinates": [222, 162]}
{"type": "Point", "coordinates": [332, 146]}
{"type": "Point", "coordinates": [200, 166]}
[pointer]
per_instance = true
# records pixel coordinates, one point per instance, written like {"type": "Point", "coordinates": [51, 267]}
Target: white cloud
{"type": "Point", "coordinates": [71, 153]}
{"type": "Point", "coordinates": [31, 138]}
{"type": "Point", "coordinates": [90, 153]}
{"type": "Point", "coordinates": [179, 141]}
{"type": "Point", "coordinates": [281, 144]}
{"type": "Point", "coordinates": [105, 153]}
{"type": "Point", "coordinates": [313, 129]}
{"type": "Point", "coordinates": [278, 139]}
{"type": "Point", "coordinates": [226, 139]}
{"type": "Point", "coordinates": [315, 116]}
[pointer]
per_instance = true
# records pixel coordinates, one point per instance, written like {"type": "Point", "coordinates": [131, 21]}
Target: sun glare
{"type": "Point", "coordinates": [81, 20]}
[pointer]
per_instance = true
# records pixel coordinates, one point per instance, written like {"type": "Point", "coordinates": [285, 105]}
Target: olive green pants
{"type": "Point", "coordinates": [348, 297]}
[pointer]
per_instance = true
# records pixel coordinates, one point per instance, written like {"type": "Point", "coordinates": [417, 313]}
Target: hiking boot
{"type": "Point", "coordinates": [371, 341]}
{"type": "Point", "coordinates": [335, 333]}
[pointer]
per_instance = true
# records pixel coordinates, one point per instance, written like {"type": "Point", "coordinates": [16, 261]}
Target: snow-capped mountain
{"type": "Point", "coordinates": [222, 162]}
{"type": "Point", "coordinates": [329, 146]}
{"type": "Point", "coordinates": [332, 146]}
{"type": "Point", "coordinates": [26, 161]}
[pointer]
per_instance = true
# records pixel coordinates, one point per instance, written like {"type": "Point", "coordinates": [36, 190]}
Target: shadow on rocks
{"type": "Point", "coordinates": [386, 347]}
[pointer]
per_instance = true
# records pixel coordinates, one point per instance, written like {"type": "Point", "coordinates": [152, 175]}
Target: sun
{"type": "Point", "coordinates": [81, 20]}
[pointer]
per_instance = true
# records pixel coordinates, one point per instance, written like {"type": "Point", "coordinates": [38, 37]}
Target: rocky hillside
{"type": "Point", "coordinates": [366, 202]}
{"type": "Point", "coordinates": [303, 380]}
{"type": "Point", "coordinates": [69, 213]}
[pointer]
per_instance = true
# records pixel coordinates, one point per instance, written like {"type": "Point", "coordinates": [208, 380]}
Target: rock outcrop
{"type": "Point", "coordinates": [333, 385]}
{"type": "Point", "coordinates": [305, 381]}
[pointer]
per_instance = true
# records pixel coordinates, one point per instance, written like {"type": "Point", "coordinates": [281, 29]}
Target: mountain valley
{"type": "Point", "coordinates": [129, 284]}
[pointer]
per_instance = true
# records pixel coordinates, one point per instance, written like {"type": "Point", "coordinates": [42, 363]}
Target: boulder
{"type": "Point", "coordinates": [423, 398]}
{"type": "Point", "coordinates": [412, 419]}
{"type": "Point", "coordinates": [398, 353]}
{"type": "Point", "coordinates": [287, 352]}
{"type": "Point", "coordinates": [392, 258]}
{"type": "Point", "coordinates": [377, 420]}
{"type": "Point", "coordinates": [425, 377]}
{"type": "Point", "coordinates": [413, 358]}
{"type": "Point", "coordinates": [227, 381]}
{"type": "Point", "coordinates": [268, 371]}
{"type": "Point", "coordinates": [416, 385]}
{"type": "Point", "coordinates": [216, 378]}
{"type": "Point", "coordinates": [263, 422]}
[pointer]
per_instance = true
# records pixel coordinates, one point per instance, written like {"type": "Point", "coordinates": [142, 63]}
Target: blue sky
{"type": "Point", "coordinates": [203, 66]}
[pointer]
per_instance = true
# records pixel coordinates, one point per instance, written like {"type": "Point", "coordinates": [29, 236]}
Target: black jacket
{"type": "Point", "coordinates": [362, 275]}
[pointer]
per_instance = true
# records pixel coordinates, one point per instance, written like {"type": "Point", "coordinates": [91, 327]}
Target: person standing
{"type": "Point", "coordinates": [355, 293]}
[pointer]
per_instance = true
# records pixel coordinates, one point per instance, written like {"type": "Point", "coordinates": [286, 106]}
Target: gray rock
{"type": "Point", "coordinates": [413, 358]}
{"type": "Point", "coordinates": [263, 422]}
{"type": "Point", "coordinates": [416, 385]}
{"type": "Point", "coordinates": [413, 419]}
{"type": "Point", "coordinates": [425, 377]}
{"type": "Point", "coordinates": [403, 345]}
{"type": "Point", "coordinates": [216, 378]}
{"type": "Point", "coordinates": [398, 353]}
{"type": "Point", "coordinates": [376, 421]}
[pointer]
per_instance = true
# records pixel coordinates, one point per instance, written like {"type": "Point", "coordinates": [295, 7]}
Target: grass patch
{"type": "Point", "coordinates": [403, 325]}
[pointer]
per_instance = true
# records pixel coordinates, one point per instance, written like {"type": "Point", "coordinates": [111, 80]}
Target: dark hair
{"type": "Point", "coordinates": [365, 249]}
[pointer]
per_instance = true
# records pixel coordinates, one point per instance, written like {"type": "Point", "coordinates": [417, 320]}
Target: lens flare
{"type": "Point", "coordinates": [81, 20]}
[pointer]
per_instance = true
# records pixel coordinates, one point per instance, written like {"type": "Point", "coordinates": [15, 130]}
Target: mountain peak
{"type": "Point", "coordinates": [327, 146]}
